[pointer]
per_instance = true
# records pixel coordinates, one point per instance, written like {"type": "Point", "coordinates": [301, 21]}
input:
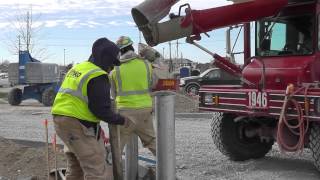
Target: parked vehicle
{"type": "Point", "coordinates": [40, 81]}
{"type": "Point", "coordinates": [3, 75]}
{"type": "Point", "coordinates": [213, 76]}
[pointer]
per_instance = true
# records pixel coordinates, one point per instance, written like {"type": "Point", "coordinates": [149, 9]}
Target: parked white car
{"type": "Point", "coordinates": [3, 75]}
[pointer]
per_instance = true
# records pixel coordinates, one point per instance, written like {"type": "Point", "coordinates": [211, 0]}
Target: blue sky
{"type": "Point", "coordinates": [73, 25]}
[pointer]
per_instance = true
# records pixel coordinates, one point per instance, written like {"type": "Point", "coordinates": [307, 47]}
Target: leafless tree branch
{"type": "Point", "coordinates": [27, 35]}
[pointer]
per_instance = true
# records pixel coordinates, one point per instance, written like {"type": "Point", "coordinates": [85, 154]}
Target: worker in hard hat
{"type": "Point", "coordinates": [82, 101]}
{"type": "Point", "coordinates": [131, 85]}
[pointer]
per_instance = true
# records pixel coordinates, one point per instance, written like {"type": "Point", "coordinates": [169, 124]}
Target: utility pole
{"type": "Point", "coordinates": [28, 31]}
{"type": "Point", "coordinates": [170, 66]}
{"type": "Point", "coordinates": [19, 44]}
{"type": "Point", "coordinates": [228, 43]}
{"type": "Point", "coordinates": [29, 26]}
{"type": "Point", "coordinates": [177, 49]}
{"type": "Point", "coordinates": [139, 41]}
{"type": "Point", "coordinates": [64, 57]}
{"type": "Point", "coordinates": [170, 50]}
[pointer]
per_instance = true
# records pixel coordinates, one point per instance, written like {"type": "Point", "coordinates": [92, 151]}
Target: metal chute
{"type": "Point", "coordinates": [148, 14]}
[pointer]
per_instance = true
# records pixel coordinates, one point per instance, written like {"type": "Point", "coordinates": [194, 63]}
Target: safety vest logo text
{"type": "Point", "coordinates": [74, 74]}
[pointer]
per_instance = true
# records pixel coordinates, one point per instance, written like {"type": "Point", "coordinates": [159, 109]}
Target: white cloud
{"type": "Point", "coordinates": [91, 13]}
{"type": "Point", "coordinates": [200, 4]}
{"type": "Point", "coordinates": [90, 24]}
{"type": "Point", "coordinates": [102, 7]}
{"type": "Point", "coordinates": [114, 23]}
{"type": "Point", "coordinates": [94, 23]}
{"type": "Point", "coordinates": [130, 23]}
{"type": "Point", "coordinates": [37, 24]}
{"type": "Point", "coordinates": [4, 25]}
{"type": "Point", "coordinates": [71, 24]}
{"type": "Point", "coordinates": [50, 24]}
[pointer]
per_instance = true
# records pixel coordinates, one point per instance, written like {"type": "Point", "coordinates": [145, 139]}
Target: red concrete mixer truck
{"type": "Point", "coordinates": [278, 99]}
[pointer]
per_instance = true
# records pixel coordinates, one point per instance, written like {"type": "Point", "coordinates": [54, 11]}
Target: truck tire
{"type": "Point", "coordinates": [15, 96]}
{"type": "Point", "coordinates": [227, 136]}
{"type": "Point", "coordinates": [314, 143]}
{"type": "Point", "coordinates": [192, 89]}
{"type": "Point", "coordinates": [48, 96]}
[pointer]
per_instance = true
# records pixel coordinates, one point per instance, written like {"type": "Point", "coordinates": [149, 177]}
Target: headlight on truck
{"type": "Point", "coordinates": [182, 82]}
{"type": "Point", "coordinates": [208, 99]}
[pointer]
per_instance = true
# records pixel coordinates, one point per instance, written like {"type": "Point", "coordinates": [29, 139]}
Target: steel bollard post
{"type": "Point", "coordinates": [166, 155]}
{"type": "Point", "coordinates": [131, 161]}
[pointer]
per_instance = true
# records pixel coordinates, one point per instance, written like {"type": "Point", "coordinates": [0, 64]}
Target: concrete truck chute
{"type": "Point", "coordinates": [148, 14]}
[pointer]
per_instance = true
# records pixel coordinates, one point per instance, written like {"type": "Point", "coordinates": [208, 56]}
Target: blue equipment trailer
{"type": "Point", "coordinates": [43, 90]}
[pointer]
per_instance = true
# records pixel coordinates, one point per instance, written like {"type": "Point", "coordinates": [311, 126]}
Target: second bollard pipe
{"type": "Point", "coordinates": [131, 161]}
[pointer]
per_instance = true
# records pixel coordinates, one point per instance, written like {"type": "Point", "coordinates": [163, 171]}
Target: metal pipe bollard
{"type": "Point", "coordinates": [166, 155]}
{"type": "Point", "coordinates": [131, 161]}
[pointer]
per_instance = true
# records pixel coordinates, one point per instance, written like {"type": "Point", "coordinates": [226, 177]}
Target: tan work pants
{"type": "Point", "coordinates": [140, 124]}
{"type": "Point", "coordinates": [85, 155]}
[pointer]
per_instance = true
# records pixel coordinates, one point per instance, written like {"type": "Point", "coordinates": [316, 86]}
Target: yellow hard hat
{"type": "Point", "coordinates": [124, 41]}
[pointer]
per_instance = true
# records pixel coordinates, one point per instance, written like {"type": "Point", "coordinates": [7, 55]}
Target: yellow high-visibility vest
{"type": "Point", "coordinates": [133, 80]}
{"type": "Point", "coordinates": [72, 99]}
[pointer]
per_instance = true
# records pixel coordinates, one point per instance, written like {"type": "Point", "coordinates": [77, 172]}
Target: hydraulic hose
{"type": "Point", "coordinates": [298, 129]}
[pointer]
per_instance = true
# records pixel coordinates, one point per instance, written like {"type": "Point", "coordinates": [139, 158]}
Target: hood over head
{"type": "Point", "coordinates": [105, 54]}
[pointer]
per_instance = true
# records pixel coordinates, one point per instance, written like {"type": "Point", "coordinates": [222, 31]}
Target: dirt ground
{"type": "Point", "coordinates": [196, 156]}
{"type": "Point", "coordinates": [23, 159]}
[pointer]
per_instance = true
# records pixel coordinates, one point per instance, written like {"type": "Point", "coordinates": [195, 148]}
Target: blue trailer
{"type": "Point", "coordinates": [33, 80]}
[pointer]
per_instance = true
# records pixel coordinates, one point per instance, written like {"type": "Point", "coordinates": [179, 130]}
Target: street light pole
{"type": "Point", "coordinates": [64, 57]}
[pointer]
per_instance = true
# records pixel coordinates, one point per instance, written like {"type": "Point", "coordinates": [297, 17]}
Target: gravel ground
{"type": "Point", "coordinates": [197, 157]}
{"type": "Point", "coordinates": [186, 104]}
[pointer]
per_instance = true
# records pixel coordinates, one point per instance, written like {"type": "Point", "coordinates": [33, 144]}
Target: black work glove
{"type": "Point", "coordinates": [117, 119]}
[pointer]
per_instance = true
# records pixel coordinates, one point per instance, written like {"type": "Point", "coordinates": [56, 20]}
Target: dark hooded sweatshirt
{"type": "Point", "coordinates": [104, 54]}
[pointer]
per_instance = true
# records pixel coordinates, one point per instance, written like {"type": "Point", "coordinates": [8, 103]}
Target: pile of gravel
{"type": "Point", "coordinates": [186, 104]}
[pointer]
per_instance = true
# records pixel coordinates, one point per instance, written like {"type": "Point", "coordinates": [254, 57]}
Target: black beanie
{"type": "Point", "coordinates": [105, 53]}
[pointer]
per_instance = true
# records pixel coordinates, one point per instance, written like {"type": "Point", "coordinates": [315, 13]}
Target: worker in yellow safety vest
{"type": "Point", "coordinates": [82, 101]}
{"type": "Point", "coordinates": [130, 86]}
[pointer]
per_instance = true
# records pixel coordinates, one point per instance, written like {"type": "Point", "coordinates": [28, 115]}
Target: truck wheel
{"type": "Point", "coordinates": [192, 89]}
{"type": "Point", "coordinates": [229, 138]}
{"type": "Point", "coordinates": [15, 96]}
{"type": "Point", "coordinates": [314, 143]}
{"type": "Point", "coordinates": [48, 96]}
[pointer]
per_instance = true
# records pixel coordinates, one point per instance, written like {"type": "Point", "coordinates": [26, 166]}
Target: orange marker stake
{"type": "Point", "coordinates": [54, 147]}
{"type": "Point", "coordinates": [47, 147]}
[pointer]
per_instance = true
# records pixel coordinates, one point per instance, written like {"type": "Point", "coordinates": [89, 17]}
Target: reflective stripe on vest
{"type": "Point", "coordinates": [78, 93]}
{"type": "Point", "coordinates": [138, 92]}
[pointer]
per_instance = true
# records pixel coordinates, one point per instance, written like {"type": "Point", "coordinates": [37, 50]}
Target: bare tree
{"type": "Point", "coordinates": [27, 36]}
